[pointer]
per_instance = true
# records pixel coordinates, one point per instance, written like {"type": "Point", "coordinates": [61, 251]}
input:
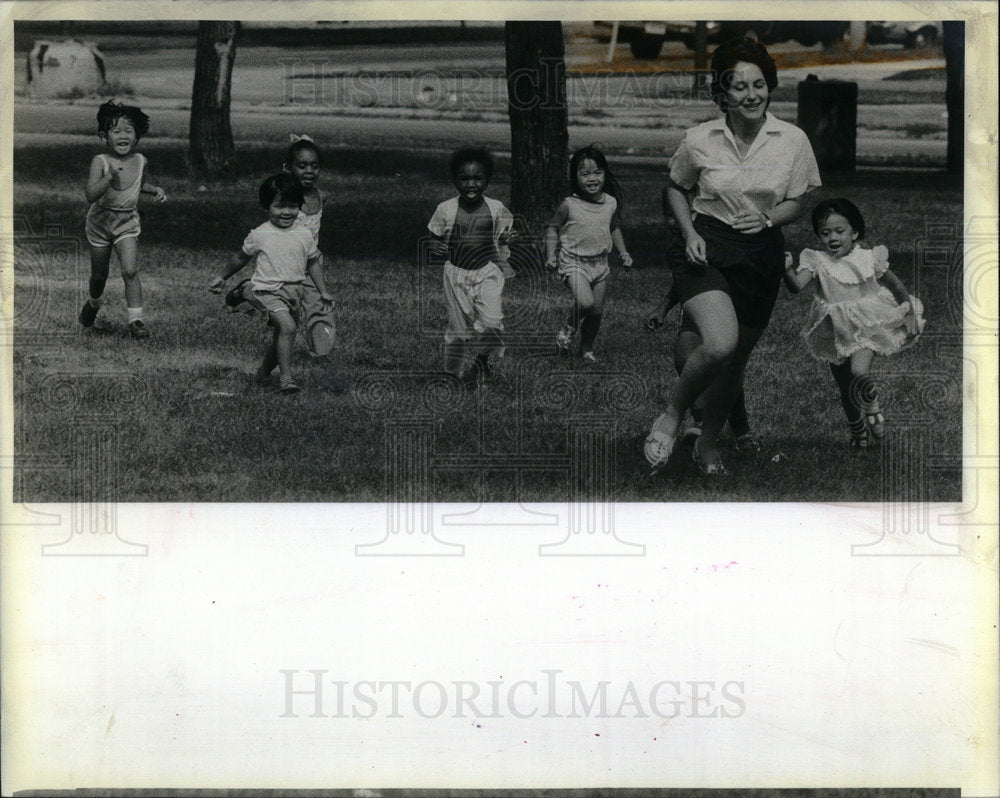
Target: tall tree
{"type": "Point", "coordinates": [536, 105]}
{"type": "Point", "coordinates": [954, 93]}
{"type": "Point", "coordinates": [210, 138]}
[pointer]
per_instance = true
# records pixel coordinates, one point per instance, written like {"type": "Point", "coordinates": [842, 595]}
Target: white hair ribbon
{"type": "Point", "coordinates": [293, 138]}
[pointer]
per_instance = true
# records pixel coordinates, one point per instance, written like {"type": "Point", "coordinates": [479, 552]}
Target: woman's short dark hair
{"type": "Point", "coordinates": [471, 155]}
{"type": "Point", "coordinates": [841, 206]}
{"type": "Point", "coordinates": [728, 54]}
{"type": "Point", "coordinates": [282, 185]}
{"type": "Point", "coordinates": [110, 112]}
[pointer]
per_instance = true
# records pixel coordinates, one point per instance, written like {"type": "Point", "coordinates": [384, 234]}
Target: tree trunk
{"type": "Point", "coordinates": [210, 140]}
{"type": "Point", "coordinates": [536, 105]}
{"type": "Point", "coordinates": [954, 94]}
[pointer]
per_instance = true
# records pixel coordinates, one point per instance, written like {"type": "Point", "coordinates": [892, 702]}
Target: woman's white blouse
{"type": "Point", "coordinates": [779, 165]}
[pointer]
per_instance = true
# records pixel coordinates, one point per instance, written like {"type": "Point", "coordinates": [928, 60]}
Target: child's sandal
{"type": "Point", "coordinates": [860, 440]}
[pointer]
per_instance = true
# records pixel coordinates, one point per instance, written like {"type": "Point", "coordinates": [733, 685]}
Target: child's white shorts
{"type": "Point", "coordinates": [593, 268]}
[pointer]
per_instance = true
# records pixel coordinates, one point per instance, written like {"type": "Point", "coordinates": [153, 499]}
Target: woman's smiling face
{"type": "Point", "coordinates": [747, 94]}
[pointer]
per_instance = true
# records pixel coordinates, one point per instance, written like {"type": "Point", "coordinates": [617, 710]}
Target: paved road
{"type": "Point", "coordinates": [433, 96]}
{"type": "Point", "coordinates": [427, 134]}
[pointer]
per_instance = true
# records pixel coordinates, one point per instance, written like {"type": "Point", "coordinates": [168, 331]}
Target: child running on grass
{"type": "Point", "coordinates": [577, 243]}
{"type": "Point", "coordinates": [472, 232]}
{"type": "Point", "coordinates": [285, 255]}
{"type": "Point", "coordinates": [860, 308]}
{"type": "Point", "coordinates": [117, 178]}
{"type": "Point", "coordinates": [303, 160]}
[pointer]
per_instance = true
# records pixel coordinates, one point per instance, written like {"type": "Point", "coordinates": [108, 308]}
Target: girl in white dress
{"type": "Point", "coordinates": [860, 309]}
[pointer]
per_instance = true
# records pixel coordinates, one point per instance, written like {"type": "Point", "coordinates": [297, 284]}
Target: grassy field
{"type": "Point", "coordinates": [190, 425]}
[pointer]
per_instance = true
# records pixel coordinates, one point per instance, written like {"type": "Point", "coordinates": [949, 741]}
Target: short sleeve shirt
{"type": "Point", "coordinates": [587, 229]}
{"type": "Point", "coordinates": [470, 243]}
{"type": "Point", "coordinates": [282, 255]}
{"type": "Point", "coordinates": [779, 165]}
{"type": "Point", "coordinates": [446, 219]}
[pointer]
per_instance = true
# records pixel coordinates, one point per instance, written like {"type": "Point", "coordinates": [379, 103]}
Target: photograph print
{"type": "Point", "coordinates": [488, 262]}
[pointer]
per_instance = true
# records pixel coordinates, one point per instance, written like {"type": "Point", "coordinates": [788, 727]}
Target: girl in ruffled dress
{"type": "Point", "coordinates": [860, 309]}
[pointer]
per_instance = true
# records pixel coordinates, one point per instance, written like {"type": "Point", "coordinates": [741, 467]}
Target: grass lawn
{"type": "Point", "coordinates": [188, 424]}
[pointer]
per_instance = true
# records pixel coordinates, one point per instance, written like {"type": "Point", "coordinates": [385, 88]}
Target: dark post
{"type": "Point", "coordinates": [701, 45]}
{"type": "Point", "coordinates": [828, 113]}
{"type": "Point", "coordinates": [954, 93]}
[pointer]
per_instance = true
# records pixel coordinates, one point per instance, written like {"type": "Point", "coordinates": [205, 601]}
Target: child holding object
{"type": "Point", "coordinates": [578, 241]}
{"type": "Point", "coordinates": [860, 308]}
{"type": "Point", "coordinates": [117, 178]}
{"type": "Point", "coordinates": [304, 161]}
{"type": "Point", "coordinates": [286, 255]}
{"type": "Point", "coordinates": [471, 231]}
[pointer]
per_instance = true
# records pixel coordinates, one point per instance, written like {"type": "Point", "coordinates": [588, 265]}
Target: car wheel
{"type": "Point", "coordinates": [925, 37]}
{"type": "Point", "coordinates": [832, 40]}
{"type": "Point", "coordinates": [646, 47]}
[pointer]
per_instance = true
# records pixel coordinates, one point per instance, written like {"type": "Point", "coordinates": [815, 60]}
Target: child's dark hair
{"type": "Point", "coordinates": [110, 112]}
{"type": "Point", "coordinates": [298, 146]}
{"type": "Point", "coordinates": [471, 155]}
{"type": "Point", "coordinates": [593, 153]}
{"type": "Point", "coordinates": [841, 206]}
{"type": "Point", "coordinates": [283, 186]}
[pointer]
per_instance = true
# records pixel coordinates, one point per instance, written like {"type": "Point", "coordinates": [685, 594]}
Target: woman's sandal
{"type": "Point", "coordinates": [716, 469]}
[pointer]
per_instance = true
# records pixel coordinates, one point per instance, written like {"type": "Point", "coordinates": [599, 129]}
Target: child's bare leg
{"type": "Point", "coordinates": [592, 320]}
{"type": "Point", "coordinates": [583, 298]}
{"type": "Point", "coordinates": [282, 342]}
{"type": "Point", "coordinates": [864, 393]}
{"type": "Point", "coordinates": [100, 262]}
{"type": "Point", "coordinates": [852, 409]}
{"type": "Point", "coordinates": [270, 355]}
{"type": "Point", "coordinates": [127, 250]}
{"type": "Point", "coordinates": [656, 319]}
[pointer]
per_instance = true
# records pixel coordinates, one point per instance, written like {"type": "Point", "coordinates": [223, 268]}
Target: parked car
{"type": "Point", "coordinates": [646, 38]}
{"type": "Point", "coordinates": [911, 35]}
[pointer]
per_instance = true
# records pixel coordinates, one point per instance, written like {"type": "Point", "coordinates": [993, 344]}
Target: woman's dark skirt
{"type": "Point", "coordinates": [746, 267]}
